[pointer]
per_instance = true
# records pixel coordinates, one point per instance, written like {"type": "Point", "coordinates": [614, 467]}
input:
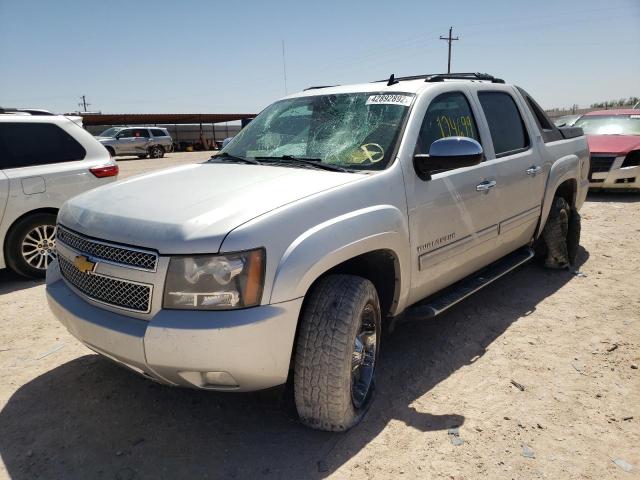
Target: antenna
{"type": "Point", "coordinates": [284, 69]}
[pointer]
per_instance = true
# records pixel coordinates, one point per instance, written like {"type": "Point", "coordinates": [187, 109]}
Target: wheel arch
{"type": "Point", "coordinates": [3, 252]}
{"type": "Point", "coordinates": [563, 181]}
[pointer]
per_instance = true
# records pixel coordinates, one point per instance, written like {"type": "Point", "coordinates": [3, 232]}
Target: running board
{"type": "Point", "coordinates": [459, 291]}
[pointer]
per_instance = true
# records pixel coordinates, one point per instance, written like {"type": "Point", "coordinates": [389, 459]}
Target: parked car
{"type": "Point", "coordinates": [566, 120]}
{"type": "Point", "coordinates": [144, 142]}
{"type": "Point", "coordinates": [44, 160]}
{"type": "Point", "coordinates": [335, 212]}
{"type": "Point", "coordinates": [614, 142]}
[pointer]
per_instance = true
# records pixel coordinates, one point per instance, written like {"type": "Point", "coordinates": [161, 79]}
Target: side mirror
{"type": "Point", "coordinates": [447, 154]}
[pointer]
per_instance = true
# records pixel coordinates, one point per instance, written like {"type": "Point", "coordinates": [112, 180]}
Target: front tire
{"type": "Point", "coordinates": [30, 245]}
{"type": "Point", "coordinates": [336, 353]}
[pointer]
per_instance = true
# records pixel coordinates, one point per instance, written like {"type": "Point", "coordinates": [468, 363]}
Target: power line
{"type": "Point", "coordinates": [449, 39]}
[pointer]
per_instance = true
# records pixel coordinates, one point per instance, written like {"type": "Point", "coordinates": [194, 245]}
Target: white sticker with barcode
{"type": "Point", "coordinates": [389, 99]}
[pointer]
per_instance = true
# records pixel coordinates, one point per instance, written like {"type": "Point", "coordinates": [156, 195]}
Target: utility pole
{"type": "Point", "coordinates": [84, 103]}
{"type": "Point", "coordinates": [284, 69]}
{"type": "Point", "coordinates": [449, 39]}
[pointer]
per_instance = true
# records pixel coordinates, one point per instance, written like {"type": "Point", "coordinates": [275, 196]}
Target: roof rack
{"type": "Point", "coordinates": [440, 77]}
{"type": "Point", "coordinates": [30, 111]}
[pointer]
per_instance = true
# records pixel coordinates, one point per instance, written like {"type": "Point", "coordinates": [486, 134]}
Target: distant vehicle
{"type": "Point", "coordinates": [45, 159]}
{"type": "Point", "coordinates": [566, 120]}
{"type": "Point", "coordinates": [226, 141]}
{"type": "Point", "coordinates": [614, 142]}
{"type": "Point", "coordinates": [334, 211]}
{"type": "Point", "coordinates": [144, 142]}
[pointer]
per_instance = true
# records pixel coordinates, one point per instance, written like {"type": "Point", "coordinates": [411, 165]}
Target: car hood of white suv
{"type": "Point", "coordinates": [190, 209]}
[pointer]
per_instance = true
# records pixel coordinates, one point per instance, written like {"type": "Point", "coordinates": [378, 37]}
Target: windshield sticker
{"type": "Point", "coordinates": [403, 100]}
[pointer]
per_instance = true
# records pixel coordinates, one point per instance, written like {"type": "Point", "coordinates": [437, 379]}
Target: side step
{"type": "Point", "coordinates": [457, 292]}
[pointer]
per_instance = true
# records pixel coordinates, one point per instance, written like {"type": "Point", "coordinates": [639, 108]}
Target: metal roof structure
{"type": "Point", "coordinates": [159, 118]}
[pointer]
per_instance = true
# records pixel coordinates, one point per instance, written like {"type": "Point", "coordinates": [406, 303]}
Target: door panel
{"type": "Point", "coordinates": [521, 171]}
{"type": "Point", "coordinates": [4, 193]}
{"type": "Point", "coordinates": [454, 216]}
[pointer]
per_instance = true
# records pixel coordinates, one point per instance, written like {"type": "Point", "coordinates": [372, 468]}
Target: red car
{"type": "Point", "coordinates": [614, 142]}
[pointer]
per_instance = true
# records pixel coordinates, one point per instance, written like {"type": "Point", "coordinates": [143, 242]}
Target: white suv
{"type": "Point", "coordinates": [45, 159]}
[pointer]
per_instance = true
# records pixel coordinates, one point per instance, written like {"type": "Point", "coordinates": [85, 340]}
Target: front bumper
{"type": "Point", "coordinates": [617, 177]}
{"type": "Point", "coordinates": [241, 350]}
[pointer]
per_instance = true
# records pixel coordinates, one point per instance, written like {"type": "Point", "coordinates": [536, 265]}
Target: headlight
{"type": "Point", "coordinates": [215, 282]}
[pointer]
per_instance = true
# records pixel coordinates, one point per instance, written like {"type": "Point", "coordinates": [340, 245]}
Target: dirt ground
{"type": "Point", "coordinates": [570, 341]}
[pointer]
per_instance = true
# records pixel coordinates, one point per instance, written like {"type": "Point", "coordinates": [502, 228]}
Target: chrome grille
{"type": "Point", "coordinates": [119, 293]}
{"type": "Point", "coordinates": [111, 253]}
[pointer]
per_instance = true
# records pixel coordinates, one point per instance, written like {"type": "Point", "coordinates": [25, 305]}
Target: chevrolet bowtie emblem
{"type": "Point", "coordinates": [83, 264]}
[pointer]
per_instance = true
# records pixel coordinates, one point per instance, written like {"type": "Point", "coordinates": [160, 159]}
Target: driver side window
{"type": "Point", "coordinates": [448, 115]}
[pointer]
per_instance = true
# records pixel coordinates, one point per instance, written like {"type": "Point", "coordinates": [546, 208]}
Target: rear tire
{"type": "Point", "coordinates": [561, 235]}
{"type": "Point", "coordinates": [156, 151]}
{"type": "Point", "coordinates": [30, 245]}
{"type": "Point", "coordinates": [336, 353]}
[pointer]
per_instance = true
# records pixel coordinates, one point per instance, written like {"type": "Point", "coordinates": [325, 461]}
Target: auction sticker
{"type": "Point", "coordinates": [389, 99]}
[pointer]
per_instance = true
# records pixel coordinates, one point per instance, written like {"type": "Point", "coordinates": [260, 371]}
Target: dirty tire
{"type": "Point", "coordinates": [156, 152]}
{"type": "Point", "coordinates": [13, 246]}
{"type": "Point", "coordinates": [561, 235]}
{"type": "Point", "coordinates": [329, 325]}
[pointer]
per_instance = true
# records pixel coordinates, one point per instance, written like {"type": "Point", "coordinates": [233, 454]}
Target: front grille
{"type": "Point", "coordinates": [119, 293]}
{"type": "Point", "coordinates": [111, 253]}
{"type": "Point", "coordinates": [600, 164]}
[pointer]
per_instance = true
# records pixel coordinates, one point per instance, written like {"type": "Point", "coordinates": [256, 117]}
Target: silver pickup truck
{"type": "Point", "coordinates": [335, 212]}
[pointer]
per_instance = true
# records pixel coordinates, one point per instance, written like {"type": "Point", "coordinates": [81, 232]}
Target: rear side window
{"type": "Point", "coordinates": [140, 132]}
{"type": "Point", "coordinates": [156, 132]}
{"type": "Point", "coordinates": [28, 144]}
{"type": "Point", "coordinates": [507, 129]}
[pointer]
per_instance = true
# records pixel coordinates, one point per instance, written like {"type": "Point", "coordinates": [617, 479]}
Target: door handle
{"type": "Point", "coordinates": [533, 170]}
{"type": "Point", "coordinates": [486, 185]}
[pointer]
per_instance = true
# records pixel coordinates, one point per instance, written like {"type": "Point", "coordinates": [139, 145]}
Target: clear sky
{"type": "Point", "coordinates": [216, 57]}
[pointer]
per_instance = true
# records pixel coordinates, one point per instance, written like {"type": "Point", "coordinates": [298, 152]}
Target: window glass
{"type": "Point", "coordinates": [505, 123]}
{"type": "Point", "coordinates": [27, 144]}
{"type": "Point", "coordinates": [141, 132]}
{"type": "Point", "coordinates": [156, 132]}
{"type": "Point", "coordinates": [610, 124]}
{"type": "Point", "coordinates": [354, 130]}
{"type": "Point", "coordinates": [127, 133]}
{"type": "Point", "coordinates": [448, 115]}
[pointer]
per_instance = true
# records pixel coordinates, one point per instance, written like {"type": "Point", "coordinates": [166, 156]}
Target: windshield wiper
{"type": "Point", "coordinates": [233, 158]}
{"type": "Point", "coordinates": [314, 162]}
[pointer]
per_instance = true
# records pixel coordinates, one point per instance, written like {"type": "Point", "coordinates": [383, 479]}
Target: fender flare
{"type": "Point", "coordinates": [317, 250]}
{"type": "Point", "coordinates": [562, 170]}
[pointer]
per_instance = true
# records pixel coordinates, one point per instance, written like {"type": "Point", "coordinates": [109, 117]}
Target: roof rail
{"type": "Point", "coordinates": [319, 87]}
{"type": "Point", "coordinates": [30, 111]}
{"type": "Point", "coordinates": [439, 77]}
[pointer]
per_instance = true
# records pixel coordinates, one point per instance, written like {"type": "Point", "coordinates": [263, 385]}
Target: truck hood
{"type": "Point", "coordinates": [615, 144]}
{"type": "Point", "coordinates": [190, 209]}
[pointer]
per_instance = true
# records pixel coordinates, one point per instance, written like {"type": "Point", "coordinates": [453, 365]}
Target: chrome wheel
{"type": "Point", "coordinates": [39, 246]}
{"type": "Point", "coordinates": [363, 358]}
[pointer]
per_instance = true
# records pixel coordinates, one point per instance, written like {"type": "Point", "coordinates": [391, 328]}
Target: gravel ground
{"type": "Point", "coordinates": [535, 377]}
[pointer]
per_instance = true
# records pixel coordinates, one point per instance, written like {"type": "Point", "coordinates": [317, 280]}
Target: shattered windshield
{"type": "Point", "coordinates": [352, 130]}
